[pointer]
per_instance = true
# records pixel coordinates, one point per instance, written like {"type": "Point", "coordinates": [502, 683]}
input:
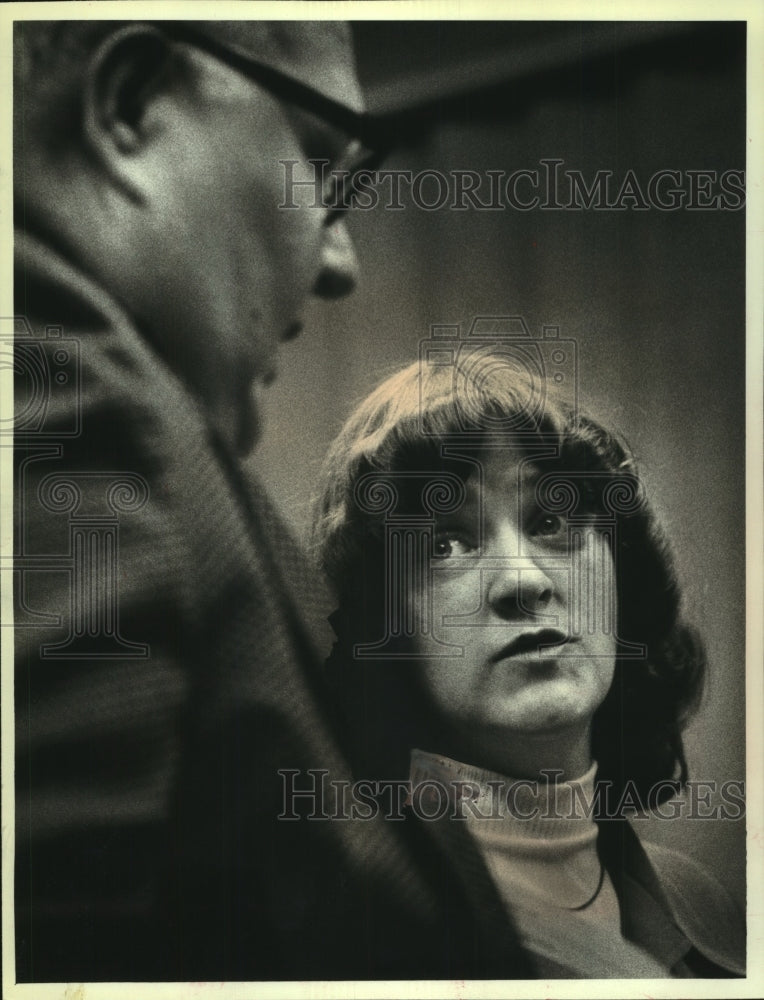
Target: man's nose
{"type": "Point", "coordinates": [339, 265]}
{"type": "Point", "coordinates": [518, 586]}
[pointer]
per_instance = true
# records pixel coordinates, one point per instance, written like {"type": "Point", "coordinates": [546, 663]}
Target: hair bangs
{"type": "Point", "coordinates": [412, 415]}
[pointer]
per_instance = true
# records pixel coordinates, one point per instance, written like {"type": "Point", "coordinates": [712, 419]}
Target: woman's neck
{"type": "Point", "coordinates": [566, 753]}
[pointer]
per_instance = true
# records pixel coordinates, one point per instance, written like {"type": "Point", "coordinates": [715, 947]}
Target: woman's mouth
{"type": "Point", "coordinates": [533, 642]}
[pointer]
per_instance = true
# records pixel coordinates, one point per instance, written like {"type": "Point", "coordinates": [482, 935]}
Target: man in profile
{"type": "Point", "coordinates": [166, 667]}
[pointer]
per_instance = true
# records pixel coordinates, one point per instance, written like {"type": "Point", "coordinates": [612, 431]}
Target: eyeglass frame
{"type": "Point", "coordinates": [373, 131]}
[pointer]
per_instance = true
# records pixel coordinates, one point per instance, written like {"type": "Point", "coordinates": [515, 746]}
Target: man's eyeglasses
{"type": "Point", "coordinates": [373, 135]}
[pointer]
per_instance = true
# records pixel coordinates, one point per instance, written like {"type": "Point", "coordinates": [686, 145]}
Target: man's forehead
{"type": "Point", "coordinates": [320, 53]}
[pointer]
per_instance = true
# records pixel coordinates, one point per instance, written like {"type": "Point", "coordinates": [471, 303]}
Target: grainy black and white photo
{"type": "Point", "coordinates": [378, 546]}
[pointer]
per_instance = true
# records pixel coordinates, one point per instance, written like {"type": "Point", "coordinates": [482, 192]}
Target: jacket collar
{"type": "Point", "coordinates": [646, 917]}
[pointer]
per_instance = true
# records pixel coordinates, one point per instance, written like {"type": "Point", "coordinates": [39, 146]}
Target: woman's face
{"type": "Point", "coordinates": [526, 599]}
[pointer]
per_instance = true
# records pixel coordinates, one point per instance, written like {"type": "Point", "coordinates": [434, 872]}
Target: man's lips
{"type": "Point", "coordinates": [532, 641]}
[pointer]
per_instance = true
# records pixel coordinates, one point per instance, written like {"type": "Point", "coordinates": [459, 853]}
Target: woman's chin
{"type": "Point", "coordinates": [554, 710]}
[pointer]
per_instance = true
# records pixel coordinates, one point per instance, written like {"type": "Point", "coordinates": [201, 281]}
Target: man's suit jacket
{"type": "Point", "coordinates": [166, 671]}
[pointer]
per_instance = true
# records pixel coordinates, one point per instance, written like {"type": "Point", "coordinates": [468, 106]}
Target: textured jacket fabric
{"type": "Point", "coordinates": [166, 671]}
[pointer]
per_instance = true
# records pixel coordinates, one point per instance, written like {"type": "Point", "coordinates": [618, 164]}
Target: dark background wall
{"type": "Point", "coordinates": [654, 299]}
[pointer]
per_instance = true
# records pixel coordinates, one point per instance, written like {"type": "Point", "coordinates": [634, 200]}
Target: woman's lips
{"type": "Point", "coordinates": [532, 641]}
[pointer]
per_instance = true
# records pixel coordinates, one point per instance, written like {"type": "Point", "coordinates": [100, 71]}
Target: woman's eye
{"type": "Point", "coordinates": [548, 525]}
{"type": "Point", "coordinates": [445, 546]}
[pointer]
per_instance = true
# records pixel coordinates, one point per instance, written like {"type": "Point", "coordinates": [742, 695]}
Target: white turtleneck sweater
{"type": "Point", "coordinates": [541, 850]}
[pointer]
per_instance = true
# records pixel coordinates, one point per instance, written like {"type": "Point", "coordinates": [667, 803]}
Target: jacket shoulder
{"type": "Point", "coordinates": [704, 910]}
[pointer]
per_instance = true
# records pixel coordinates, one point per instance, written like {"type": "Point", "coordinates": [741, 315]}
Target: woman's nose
{"type": "Point", "coordinates": [517, 584]}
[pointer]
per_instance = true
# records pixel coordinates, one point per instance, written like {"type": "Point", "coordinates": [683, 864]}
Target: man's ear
{"type": "Point", "coordinates": [127, 72]}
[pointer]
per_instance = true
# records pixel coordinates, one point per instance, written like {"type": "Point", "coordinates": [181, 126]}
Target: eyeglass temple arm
{"type": "Point", "coordinates": [375, 131]}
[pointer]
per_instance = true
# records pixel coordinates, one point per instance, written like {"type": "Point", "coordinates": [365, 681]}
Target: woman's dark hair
{"type": "Point", "coordinates": [405, 429]}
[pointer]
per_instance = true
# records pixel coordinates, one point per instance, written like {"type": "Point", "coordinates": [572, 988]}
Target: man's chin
{"type": "Point", "coordinates": [249, 424]}
{"type": "Point", "coordinates": [239, 424]}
